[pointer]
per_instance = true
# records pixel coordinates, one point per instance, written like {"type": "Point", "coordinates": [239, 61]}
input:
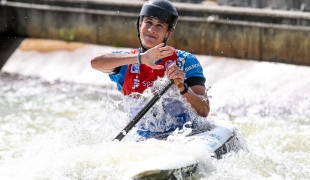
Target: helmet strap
{"type": "Point", "coordinates": [165, 41]}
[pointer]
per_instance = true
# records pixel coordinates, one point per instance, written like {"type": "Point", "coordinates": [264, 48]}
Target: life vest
{"type": "Point", "coordinates": [140, 76]}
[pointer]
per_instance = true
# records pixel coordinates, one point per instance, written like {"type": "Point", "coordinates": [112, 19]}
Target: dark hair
{"type": "Point", "coordinates": [140, 19]}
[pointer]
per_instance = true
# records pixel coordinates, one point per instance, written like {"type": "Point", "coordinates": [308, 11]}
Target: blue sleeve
{"type": "Point", "coordinates": [190, 64]}
{"type": "Point", "coordinates": [119, 77]}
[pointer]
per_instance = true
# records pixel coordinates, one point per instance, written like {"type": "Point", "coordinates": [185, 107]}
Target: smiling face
{"type": "Point", "coordinates": [153, 32]}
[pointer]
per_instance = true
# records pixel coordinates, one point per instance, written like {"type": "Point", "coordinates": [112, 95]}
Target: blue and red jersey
{"type": "Point", "coordinates": [135, 78]}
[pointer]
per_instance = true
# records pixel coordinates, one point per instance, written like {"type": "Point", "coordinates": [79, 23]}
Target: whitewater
{"type": "Point", "coordinates": [58, 117]}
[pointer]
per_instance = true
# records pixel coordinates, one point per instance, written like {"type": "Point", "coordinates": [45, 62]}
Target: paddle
{"type": "Point", "coordinates": [143, 111]}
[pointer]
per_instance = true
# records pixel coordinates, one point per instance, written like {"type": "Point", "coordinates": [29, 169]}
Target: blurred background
{"type": "Point", "coordinates": [262, 30]}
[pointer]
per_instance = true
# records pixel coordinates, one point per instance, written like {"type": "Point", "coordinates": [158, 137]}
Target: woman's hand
{"type": "Point", "coordinates": [175, 73]}
{"type": "Point", "coordinates": [193, 95]}
{"type": "Point", "coordinates": [154, 54]}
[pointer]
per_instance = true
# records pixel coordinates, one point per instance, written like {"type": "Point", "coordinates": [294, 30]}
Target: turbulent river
{"type": "Point", "coordinates": [57, 120]}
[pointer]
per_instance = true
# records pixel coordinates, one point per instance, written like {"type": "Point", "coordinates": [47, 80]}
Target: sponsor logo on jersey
{"type": "Point", "coordinates": [168, 63]}
{"type": "Point", "coordinates": [194, 66]}
{"type": "Point", "coordinates": [135, 68]}
{"type": "Point", "coordinates": [136, 82]}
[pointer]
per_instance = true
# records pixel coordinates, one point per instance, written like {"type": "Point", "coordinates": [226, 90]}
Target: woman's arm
{"type": "Point", "coordinates": [195, 95]}
{"type": "Point", "coordinates": [108, 62]}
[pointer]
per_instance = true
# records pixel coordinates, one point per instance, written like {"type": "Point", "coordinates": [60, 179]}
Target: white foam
{"type": "Point", "coordinates": [43, 138]}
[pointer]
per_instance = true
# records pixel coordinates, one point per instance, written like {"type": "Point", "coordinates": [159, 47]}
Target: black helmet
{"type": "Point", "coordinates": [162, 10]}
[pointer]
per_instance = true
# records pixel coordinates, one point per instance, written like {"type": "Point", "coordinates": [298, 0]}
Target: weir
{"type": "Point", "coordinates": [236, 32]}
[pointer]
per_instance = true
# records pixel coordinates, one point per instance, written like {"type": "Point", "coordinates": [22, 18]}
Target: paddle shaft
{"type": "Point", "coordinates": [143, 111]}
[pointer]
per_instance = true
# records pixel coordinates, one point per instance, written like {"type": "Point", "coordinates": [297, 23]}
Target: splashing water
{"type": "Point", "coordinates": [65, 133]}
{"type": "Point", "coordinates": [62, 130]}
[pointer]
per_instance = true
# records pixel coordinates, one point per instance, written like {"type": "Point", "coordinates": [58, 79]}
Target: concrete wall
{"type": "Point", "coordinates": [220, 31]}
{"type": "Point", "coordinates": [296, 5]}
